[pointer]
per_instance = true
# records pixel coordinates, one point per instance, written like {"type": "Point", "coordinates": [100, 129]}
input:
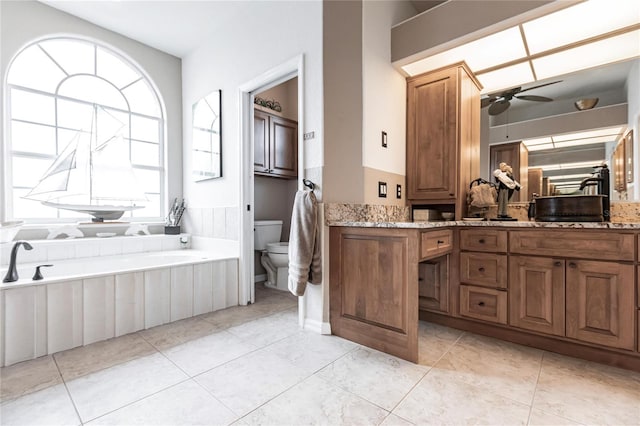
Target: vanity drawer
{"type": "Point", "coordinates": [485, 269]}
{"type": "Point", "coordinates": [581, 243]}
{"type": "Point", "coordinates": [434, 243]}
{"type": "Point", "coordinates": [483, 303]}
{"type": "Point", "coordinates": [487, 240]}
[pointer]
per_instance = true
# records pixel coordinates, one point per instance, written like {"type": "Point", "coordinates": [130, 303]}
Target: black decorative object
{"type": "Point", "coordinates": [272, 104]}
{"type": "Point", "coordinates": [172, 230]}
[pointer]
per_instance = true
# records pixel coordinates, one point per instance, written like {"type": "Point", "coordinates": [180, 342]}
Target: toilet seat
{"type": "Point", "coordinates": [279, 248]}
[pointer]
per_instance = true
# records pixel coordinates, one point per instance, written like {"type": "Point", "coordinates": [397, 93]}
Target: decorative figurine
{"type": "Point", "coordinates": [506, 185]}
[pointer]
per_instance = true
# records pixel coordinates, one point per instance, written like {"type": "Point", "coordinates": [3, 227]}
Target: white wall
{"type": "Point", "coordinates": [23, 22]}
{"type": "Point", "coordinates": [383, 88]}
{"type": "Point", "coordinates": [286, 94]}
{"type": "Point", "coordinates": [240, 50]}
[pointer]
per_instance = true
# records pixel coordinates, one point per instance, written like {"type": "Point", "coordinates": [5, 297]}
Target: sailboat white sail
{"type": "Point", "coordinates": [91, 174]}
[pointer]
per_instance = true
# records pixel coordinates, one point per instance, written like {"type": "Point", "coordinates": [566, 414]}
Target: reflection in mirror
{"type": "Point", "coordinates": [565, 139]}
{"type": "Point", "coordinates": [206, 143]}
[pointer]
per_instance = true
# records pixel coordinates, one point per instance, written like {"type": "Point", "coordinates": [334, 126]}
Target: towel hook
{"type": "Point", "coordinates": [309, 184]}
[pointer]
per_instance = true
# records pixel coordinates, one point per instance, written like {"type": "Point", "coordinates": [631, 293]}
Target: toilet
{"type": "Point", "coordinates": [275, 254]}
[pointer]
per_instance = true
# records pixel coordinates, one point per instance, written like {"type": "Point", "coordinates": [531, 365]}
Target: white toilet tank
{"type": "Point", "coordinates": [265, 232]}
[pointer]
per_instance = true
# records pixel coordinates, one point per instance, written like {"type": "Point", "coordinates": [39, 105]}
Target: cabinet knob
{"type": "Point", "coordinates": [572, 265]}
{"type": "Point", "coordinates": [480, 303]}
{"type": "Point", "coordinates": [557, 263]}
{"type": "Point", "coordinates": [440, 242]}
{"type": "Point", "coordinates": [451, 194]}
{"type": "Point", "coordinates": [420, 279]}
{"type": "Point", "coordinates": [481, 269]}
{"type": "Point", "coordinates": [481, 240]}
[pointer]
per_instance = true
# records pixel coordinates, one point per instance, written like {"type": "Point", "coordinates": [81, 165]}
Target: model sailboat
{"type": "Point", "coordinates": [93, 173]}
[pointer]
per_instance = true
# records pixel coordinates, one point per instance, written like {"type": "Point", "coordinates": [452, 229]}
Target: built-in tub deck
{"type": "Point", "coordinates": [86, 300]}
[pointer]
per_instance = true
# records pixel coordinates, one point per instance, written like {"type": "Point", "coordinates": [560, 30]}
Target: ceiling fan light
{"type": "Point", "coordinates": [584, 104]}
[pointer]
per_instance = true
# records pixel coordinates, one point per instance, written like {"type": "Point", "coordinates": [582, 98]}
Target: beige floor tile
{"type": "Point", "coordinates": [311, 351]}
{"type": "Point", "coordinates": [88, 359]}
{"type": "Point", "coordinates": [540, 418]}
{"type": "Point", "coordinates": [315, 401]}
{"type": "Point", "coordinates": [434, 341]}
{"type": "Point", "coordinates": [380, 378]}
{"type": "Point", "coordinates": [176, 333]}
{"type": "Point", "coordinates": [28, 376]}
{"type": "Point", "coordinates": [393, 420]}
{"type": "Point", "coordinates": [587, 392]}
{"type": "Point", "coordinates": [186, 403]}
{"type": "Point", "coordinates": [198, 356]}
{"type": "Point", "coordinates": [248, 382]}
{"type": "Point", "coordinates": [269, 329]}
{"type": "Point", "coordinates": [499, 367]}
{"type": "Point", "coordinates": [99, 393]}
{"type": "Point", "coordinates": [441, 398]}
{"type": "Point", "coordinates": [236, 315]}
{"type": "Point", "coordinates": [50, 406]}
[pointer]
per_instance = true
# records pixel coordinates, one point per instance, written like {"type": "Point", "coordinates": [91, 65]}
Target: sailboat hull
{"type": "Point", "coordinates": [99, 213]}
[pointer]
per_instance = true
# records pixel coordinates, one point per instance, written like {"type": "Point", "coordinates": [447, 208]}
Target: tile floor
{"type": "Point", "coordinates": [252, 365]}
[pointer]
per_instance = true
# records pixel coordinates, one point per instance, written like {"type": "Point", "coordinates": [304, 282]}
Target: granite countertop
{"type": "Point", "coordinates": [515, 224]}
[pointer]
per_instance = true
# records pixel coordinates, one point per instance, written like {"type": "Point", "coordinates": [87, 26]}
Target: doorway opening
{"type": "Point", "coordinates": [262, 185]}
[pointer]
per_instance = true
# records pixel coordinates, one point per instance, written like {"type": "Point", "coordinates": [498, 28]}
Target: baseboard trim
{"type": "Point", "coordinates": [260, 278]}
{"type": "Point", "coordinates": [317, 326]}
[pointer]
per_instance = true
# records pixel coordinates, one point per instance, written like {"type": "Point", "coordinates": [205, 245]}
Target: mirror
{"type": "Point", "coordinates": [546, 126]}
{"type": "Point", "coordinates": [206, 142]}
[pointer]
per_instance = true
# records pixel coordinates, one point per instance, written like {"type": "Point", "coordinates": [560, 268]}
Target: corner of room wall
{"type": "Point", "coordinates": [633, 111]}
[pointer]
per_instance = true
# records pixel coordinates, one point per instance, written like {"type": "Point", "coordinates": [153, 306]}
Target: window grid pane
{"type": "Point", "coordinates": [42, 125]}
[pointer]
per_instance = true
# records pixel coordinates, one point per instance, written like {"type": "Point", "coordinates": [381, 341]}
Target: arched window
{"type": "Point", "coordinates": [57, 90]}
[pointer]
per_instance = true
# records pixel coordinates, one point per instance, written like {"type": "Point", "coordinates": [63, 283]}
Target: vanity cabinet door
{"type": "Point", "coordinates": [260, 142]}
{"type": "Point", "coordinates": [283, 147]}
{"type": "Point", "coordinates": [600, 303]}
{"type": "Point", "coordinates": [374, 288]}
{"type": "Point", "coordinates": [536, 294]}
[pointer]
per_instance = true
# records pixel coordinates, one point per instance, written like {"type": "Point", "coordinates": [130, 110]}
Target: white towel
{"type": "Point", "coordinates": [304, 244]}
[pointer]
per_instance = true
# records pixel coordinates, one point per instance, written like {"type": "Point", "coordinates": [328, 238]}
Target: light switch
{"type": "Point", "coordinates": [398, 191]}
{"type": "Point", "coordinates": [384, 139]}
{"type": "Point", "coordinates": [382, 189]}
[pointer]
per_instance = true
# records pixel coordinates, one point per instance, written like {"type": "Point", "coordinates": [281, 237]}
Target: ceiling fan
{"type": "Point", "coordinates": [500, 101]}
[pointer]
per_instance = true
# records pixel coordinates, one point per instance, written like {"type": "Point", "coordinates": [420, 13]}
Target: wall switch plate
{"type": "Point", "coordinates": [382, 189]}
{"type": "Point", "coordinates": [398, 191]}
{"type": "Point", "coordinates": [384, 139]}
{"type": "Point", "coordinates": [309, 135]}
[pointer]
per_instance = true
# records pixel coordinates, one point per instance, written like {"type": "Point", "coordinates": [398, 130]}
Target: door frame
{"type": "Point", "coordinates": [294, 67]}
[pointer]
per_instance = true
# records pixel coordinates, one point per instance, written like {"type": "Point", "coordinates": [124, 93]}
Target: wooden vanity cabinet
{"type": "Point", "coordinates": [275, 151]}
{"type": "Point", "coordinates": [433, 270]}
{"type": "Point", "coordinates": [537, 294]}
{"type": "Point", "coordinates": [374, 288]}
{"type": "Point", "coordinates": [443, 136]}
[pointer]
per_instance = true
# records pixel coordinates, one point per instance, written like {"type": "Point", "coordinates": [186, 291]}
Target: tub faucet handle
{"type": "Point", "coordinates": [38, 275]}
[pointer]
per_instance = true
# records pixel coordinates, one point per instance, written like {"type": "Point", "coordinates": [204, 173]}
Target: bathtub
{"type": "Point", "coordinates": [86, 300]}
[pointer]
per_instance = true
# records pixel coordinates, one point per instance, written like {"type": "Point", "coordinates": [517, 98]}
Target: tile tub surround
{"type": "Point", "coordinates": [99, 299]}
{"type": "Point", "coordinates": [463, 381]}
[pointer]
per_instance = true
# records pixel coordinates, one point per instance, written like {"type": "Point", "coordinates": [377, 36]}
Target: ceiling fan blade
{"type": "Point", "coordinates": [541, 85]}
{"type": "Point", "coordinates": [485, 102]}
{"type": "Point", "coordinates": [534, 98]}
{"type": "Point", "coordinates": [499, 107]}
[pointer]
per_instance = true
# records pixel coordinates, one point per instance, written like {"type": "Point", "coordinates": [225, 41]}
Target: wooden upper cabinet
{"type": "Point", "coordinates": [443, 136]}
{"type": "Point", "coordinates": [516, 155]}
{"type": "Point", "coordinates": [275, 151]}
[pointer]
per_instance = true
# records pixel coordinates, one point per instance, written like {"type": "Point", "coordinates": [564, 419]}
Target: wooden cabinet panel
{"type": "Point", "coordinates": [260, 141]}
{"type": "Point", "coordinates": [483, 303]}
{"type": "Point", "coordinates": [433, 284]}
{"type": "Point", "coordinates": [374, 288]}
{"type": "Point", "coordinates": [600, 303]}
{"type": "Point", "coordinates": [584, 244]}
{"type": "Point", "coordinates": [537, 294]}
{"type": "Point", "coordinates": [435, 243]}
{"type": "Point", "coordinates": [431, 125]}
{"type": "Point", "coordinates": [284, 147]}
{"type": "Point", "coordinates": [483, 269]}
{"type": "Point", "coordinates": [275, 149]}
{"type": "Point", "coordinates": [487, 240]}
